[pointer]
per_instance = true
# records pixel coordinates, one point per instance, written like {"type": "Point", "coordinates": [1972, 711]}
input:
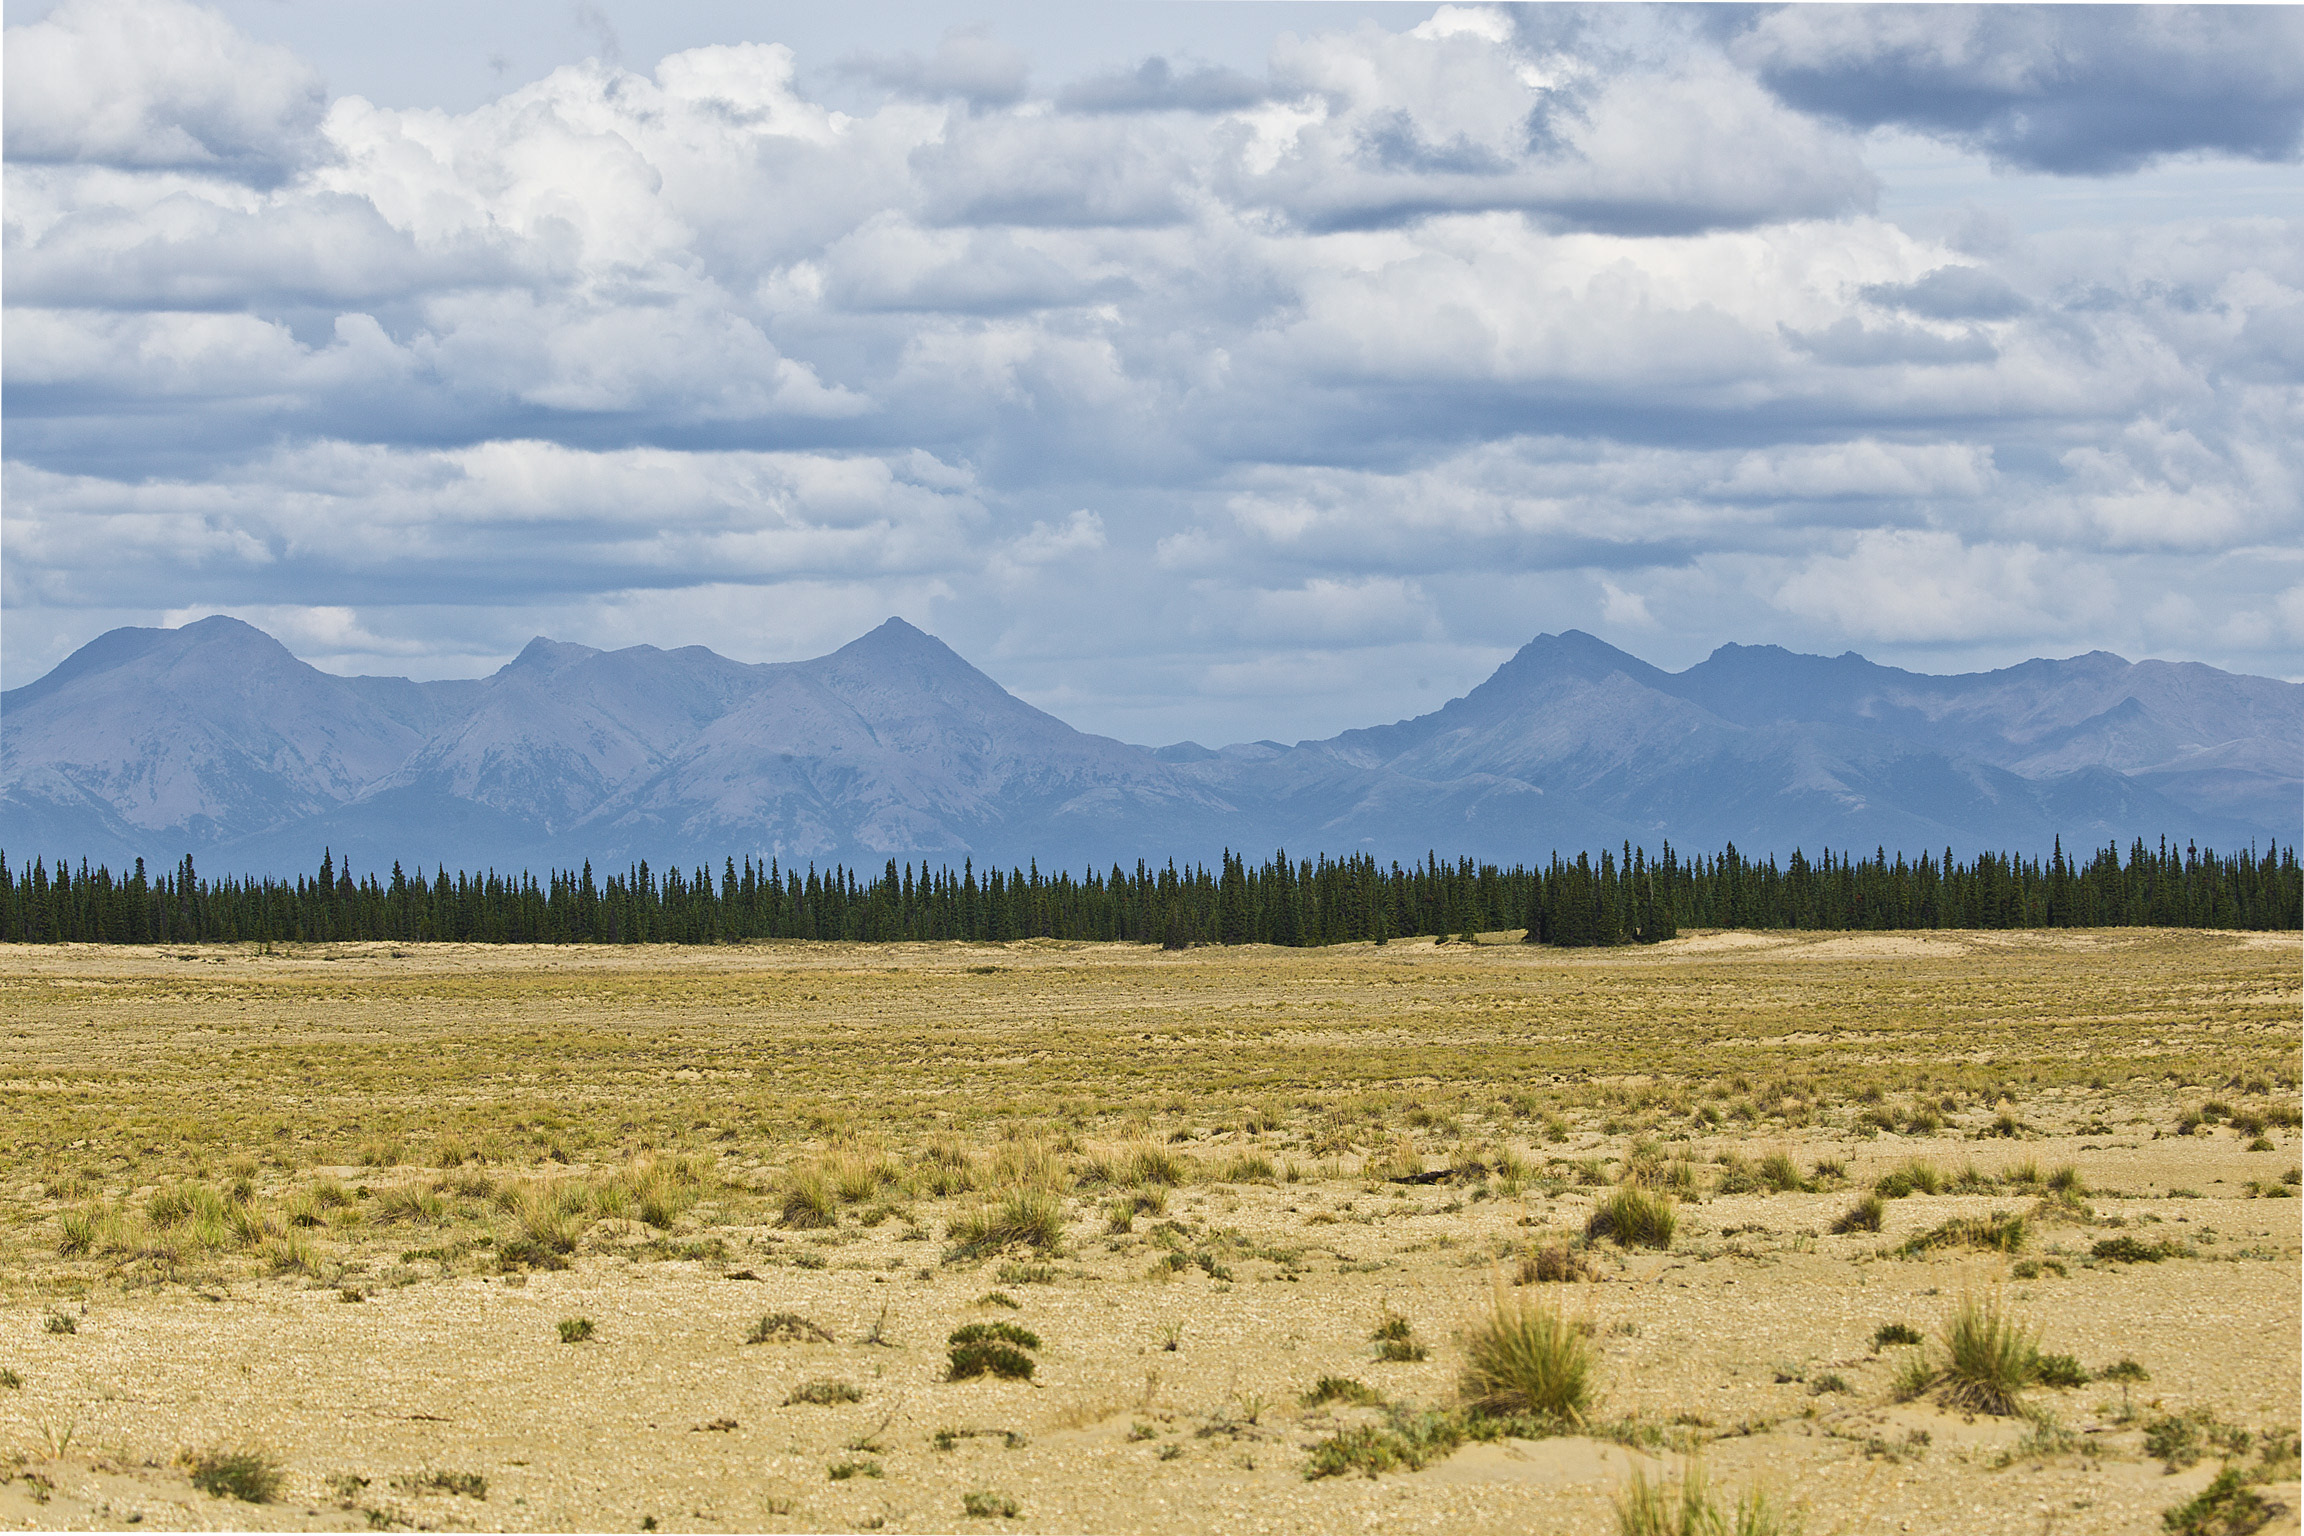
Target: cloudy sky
{"type": "Point", "coordinates": [1197, 370]}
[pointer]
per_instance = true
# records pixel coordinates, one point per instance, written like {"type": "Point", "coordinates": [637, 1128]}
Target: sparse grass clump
{"type": "Point", "coordinates": [2179, 1440]}
{"type": "Point", "coordinates": [787, 1328]}
{"type": "Point", "coordinates": [1031, 1217]}
{"type": "Point", "coordinates": [1551, 1264]}
{"type": "Point", "coordinates": [824, 1393]}
{"type": "Point", "coordinates": [2001, 1232]}
{"type": "Point", "coordinates": [1895, 1333]}
{"type": "Point", "coordinates": [1404, 1442]}
{"type": "Point", "coordinates": [1780, 1174]}
{"type": "Point", "coordinates": [251, 1476]}
{"type": "Point", "coordinates": [465, 1485]}
{"type": "Point", "coordinates": [2128, 1250]}
{"type": "Point", "coordinates": [1250, 1168]}
{"type": "Point", "coordinates": [550, 1218]}
{"type": "Point", "coordinates": [1988, 1359]}
{"type": "Point", "coordinates": [1525, 1359]}
{"type": "Point", "coordinates": [2226, 1507]}
{"type": "Point", "coordinates": [992, 1349]}
{"type": "Point", "coordinates": [575, 1330]}
{"type": "Point", "coordinates": [1866, 1215]}
{"type": "Point", "coordinates": [1396, 1340]}
{"type": "Point", "coordinates": [1915, 1177]}
{"type": "Point", "coordinates": [1342, 1389]}
{"type": "Point", "coordinates": [1659, 1509]}
{"type": "Point", "coordinates": [76, 1233]}
{"type": "Point", "coordinates": [809, 1202]}
{"type": "Point", "coordinates": [856, 1174]}
{"type": "Point", "coordinates": [1633, 1218]}
{"type": "Point", "coordinates": [990, 1506]}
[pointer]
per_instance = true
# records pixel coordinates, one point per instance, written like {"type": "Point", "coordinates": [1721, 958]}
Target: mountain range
{"type": "Point", "coordinates": [214, 740]}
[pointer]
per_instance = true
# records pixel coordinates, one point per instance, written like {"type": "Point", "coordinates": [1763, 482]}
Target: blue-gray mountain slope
{"type": "Point", "coordinates": [214, 740]}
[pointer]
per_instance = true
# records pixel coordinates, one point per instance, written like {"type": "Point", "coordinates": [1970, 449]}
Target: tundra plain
{"type": "Point", "coordinates": [446, 1237]}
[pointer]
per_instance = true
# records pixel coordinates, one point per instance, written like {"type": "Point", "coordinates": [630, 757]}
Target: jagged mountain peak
{"type": "Point", "coordinates": [896, 644]}
{"type": "Point", "coordinates": [215, 739]}
{"type": "Point", "coordinates": [1570, 654]}
{"type": "Point", "coordinates": [543, 657]}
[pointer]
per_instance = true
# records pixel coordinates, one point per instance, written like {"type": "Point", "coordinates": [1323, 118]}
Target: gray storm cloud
{"type": "Point", "coordinates": [1204, 401]}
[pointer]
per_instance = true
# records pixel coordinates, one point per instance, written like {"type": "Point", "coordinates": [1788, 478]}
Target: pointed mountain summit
{"type": "Point", "coordinates": [214, 739]}
{"type": "Point", "coordinates": [205, 733]}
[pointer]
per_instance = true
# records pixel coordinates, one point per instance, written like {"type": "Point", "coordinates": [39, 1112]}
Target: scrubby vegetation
{"type": "Point", "coordinates": [919, 1176]}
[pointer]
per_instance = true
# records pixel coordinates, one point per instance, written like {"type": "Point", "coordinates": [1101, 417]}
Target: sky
{"type": "Point", "coordinates": [1210, 371]}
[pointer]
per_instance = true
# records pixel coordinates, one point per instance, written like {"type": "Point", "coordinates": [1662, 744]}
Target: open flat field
{"type": "Point", "coordinates": [452, 1237]}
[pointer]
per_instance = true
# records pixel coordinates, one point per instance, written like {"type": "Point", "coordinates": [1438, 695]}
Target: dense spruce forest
{"type": "Point", "coordinates": [1620, 898]}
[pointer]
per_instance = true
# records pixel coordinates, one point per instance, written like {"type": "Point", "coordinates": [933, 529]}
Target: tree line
{"type": "Point", "coordinates": [1623, 897]}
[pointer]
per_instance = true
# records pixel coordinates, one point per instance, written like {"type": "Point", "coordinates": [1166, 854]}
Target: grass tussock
{"type": "Point", "coordinates": [1029, 1217]}
{"type": "Point", "coordinates": [1406, 1441]}
{"type": "Point", "coordinates": [1342, 1389]}
{"type": "Point", "coordinates": [1660, 1508]}
{"type": "Point", "coordinates": [1633, 1217]}
{"type": "Point", "coordinates": [990, 1506]}
{"type": "Point", "coordinates": [824, 1393]}
{"type": "Point", "coordinates": [991, 1349]}
{"type": "Point", "coordinates": [1984, 1360]}
{"type": "Point", "coordinates": [1525, 1359]}
{"type": "Point", "coordinates": [1866, 1215]}
{"type": "Point", "coordinates": [2000, 1232]}
{"type": "Point", "coordinates": [2226, 1507]}
{"type": "Point", "coordinates": [810, 1202]}
{"type": "Point", "coordinates": [249, 1475]}
{"type": "Point", "coordinates": [2128, 1250]}
{"type": "Point", "coordinates": [1145, 1164]}
{"type": "Point", "coordinates": [787, 1328]}
{"type": "Point", "coordinates": [1552, 1263]}
{"type": "Point", "coordinates": [1395, 1339]}
{"type": "Point", "coordinates": [1914, 1177]}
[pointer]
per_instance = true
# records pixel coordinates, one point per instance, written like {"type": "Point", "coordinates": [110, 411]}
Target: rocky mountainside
{"type": "Point", "coordinates": [214, 740]}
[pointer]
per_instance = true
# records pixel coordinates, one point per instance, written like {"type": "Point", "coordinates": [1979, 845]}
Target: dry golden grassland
{"type": "Point", "coordinates": [1053, 1236]}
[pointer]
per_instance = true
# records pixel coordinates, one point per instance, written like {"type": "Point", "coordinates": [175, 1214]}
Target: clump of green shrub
{"type": "Point", "coordinates": [2181, 1439]}
{"type": "Point", "coordinates": [1396, 1340]}
{"type": "Point", "coordinates": [2060, 1371]}
{"type": "Point", "coordinates": [992, 1349]}
{"type": "Point", "coordinates": [1342, 1389]}
{"type": "Point", "coordinates": [824, 1393]}
{"type": "Point", "coordinates": [1406, 1441]}
{"type": "Point", "coordinates": [2226, 1507]}
{"type": "Point", "coordinates": [2002, 1232]}
{"type": "Point", "coordinates": [989, 1506]}
{"type": "Point", "coordinates": [251, 1476]}
{"type": "Point", "coordinates": [2128, 1250]}
{"type": "Point", "coordinates": [787, 1328]}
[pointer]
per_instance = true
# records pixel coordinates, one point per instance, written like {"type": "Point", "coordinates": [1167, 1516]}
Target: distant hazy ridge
{"type": "Point", "coordinates": [214, 740]}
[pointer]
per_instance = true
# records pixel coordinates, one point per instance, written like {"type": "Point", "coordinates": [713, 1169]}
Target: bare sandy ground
{"type": "Point", "coordinates": [408, 1358]}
